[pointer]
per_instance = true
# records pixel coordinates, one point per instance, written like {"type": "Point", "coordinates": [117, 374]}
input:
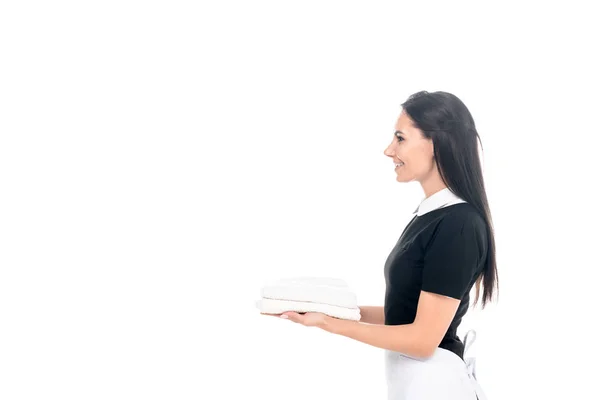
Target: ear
{"type": "Point", "coordinates": [430, 149]}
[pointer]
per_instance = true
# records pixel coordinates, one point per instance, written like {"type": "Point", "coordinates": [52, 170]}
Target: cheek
{"type": "Point", "coordinates": [420, 163]}
{"type": "Point", "coordinates": [425, 156]}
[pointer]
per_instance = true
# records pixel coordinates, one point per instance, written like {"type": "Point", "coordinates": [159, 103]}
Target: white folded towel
{"type": "Point", "coordinates": [329, 296]}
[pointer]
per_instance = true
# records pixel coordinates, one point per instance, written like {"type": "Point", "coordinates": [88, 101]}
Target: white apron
{"type": "Point", "coordinates": [443, 376]}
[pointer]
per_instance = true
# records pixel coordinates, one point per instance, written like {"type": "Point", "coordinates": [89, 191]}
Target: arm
{"type": "Point", "coordinates": [372, 315]}
{"type": "Point", "coordinates": [449, 266]}
{"type": "Point", "coordinates": [450, 263]}
{"type": "Point", "coordinates": [419, 339]}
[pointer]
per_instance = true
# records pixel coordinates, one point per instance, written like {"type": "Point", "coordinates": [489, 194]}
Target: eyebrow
{"type": "Point", "coordinates": [400, 132]}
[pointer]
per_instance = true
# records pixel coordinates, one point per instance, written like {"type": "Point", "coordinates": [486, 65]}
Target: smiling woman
{"type": "Point", "coordinates": [445, 250]}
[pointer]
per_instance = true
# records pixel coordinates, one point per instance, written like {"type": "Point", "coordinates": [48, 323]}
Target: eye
{"type": "Point", "coordinates": [399, 138]}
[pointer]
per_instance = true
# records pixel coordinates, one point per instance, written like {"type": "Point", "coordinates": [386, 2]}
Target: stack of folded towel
{"type": "Point", "coordinates": [329, 296]}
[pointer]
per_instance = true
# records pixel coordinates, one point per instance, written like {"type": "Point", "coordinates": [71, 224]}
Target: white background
{"type": "Point", "coordinates": [160, 161]}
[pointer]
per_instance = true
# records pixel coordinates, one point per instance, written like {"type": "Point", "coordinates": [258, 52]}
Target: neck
{"type": "Point", "coordinates": [432, 185]}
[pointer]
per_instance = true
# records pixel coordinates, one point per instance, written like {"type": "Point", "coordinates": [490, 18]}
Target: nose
{"type": "Point", "coordinates": [389, 151]}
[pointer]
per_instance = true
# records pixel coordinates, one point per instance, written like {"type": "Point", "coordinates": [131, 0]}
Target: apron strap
{"type": "Point", "coordinates": [470, 362]}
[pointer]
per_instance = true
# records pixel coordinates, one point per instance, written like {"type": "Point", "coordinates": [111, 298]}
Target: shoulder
{"type": "Point", "coordinates": [463, 215]}
{"type": "Point", "coordinates": [460, 219]}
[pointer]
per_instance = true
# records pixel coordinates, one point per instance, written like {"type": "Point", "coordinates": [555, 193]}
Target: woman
{"type": "Point", "coordinates": [446, 249]}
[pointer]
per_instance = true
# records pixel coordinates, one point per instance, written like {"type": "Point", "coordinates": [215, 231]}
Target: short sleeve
{"type": "Point", "coordinates": [453, 255]}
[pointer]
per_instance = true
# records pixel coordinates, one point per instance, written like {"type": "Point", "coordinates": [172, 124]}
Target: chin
{"type": "Point", "coordinates": [403, 180]}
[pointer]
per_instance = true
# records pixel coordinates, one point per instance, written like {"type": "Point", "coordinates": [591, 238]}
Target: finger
{"type": "Point", "coordinates": [293, 316]}
{"type": "Point", "coordinates": [271, 315]}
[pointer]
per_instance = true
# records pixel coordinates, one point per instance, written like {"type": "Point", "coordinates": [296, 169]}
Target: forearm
{"type": "Point", "coordinates": [372, 315]}
{"type": "Point", "coordinates": [405, 339]}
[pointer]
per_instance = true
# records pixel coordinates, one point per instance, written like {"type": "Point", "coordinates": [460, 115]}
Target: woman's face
{"type": "Point", "coordinates": [411, 152]}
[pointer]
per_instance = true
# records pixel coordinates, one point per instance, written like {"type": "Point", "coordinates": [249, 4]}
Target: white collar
{"type": "Point", "coordinates": [439, 199]}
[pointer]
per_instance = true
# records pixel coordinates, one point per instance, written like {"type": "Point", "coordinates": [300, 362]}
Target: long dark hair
{"type": "Point", "coordinates": [444, 118]}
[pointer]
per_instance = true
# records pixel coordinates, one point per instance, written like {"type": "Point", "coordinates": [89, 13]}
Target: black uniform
{"type": "Point", "coordinates": [442, 251]}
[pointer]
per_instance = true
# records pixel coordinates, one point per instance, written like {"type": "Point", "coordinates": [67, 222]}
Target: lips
{"type": "Point", "coordinates": [399, 164]}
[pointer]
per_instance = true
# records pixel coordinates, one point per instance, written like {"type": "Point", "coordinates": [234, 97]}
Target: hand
{"type": "Point", "coordinates": [319, 320]}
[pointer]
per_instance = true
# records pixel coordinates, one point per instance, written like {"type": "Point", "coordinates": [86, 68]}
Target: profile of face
{"type": "Point", "coordinates": [412, 153]}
